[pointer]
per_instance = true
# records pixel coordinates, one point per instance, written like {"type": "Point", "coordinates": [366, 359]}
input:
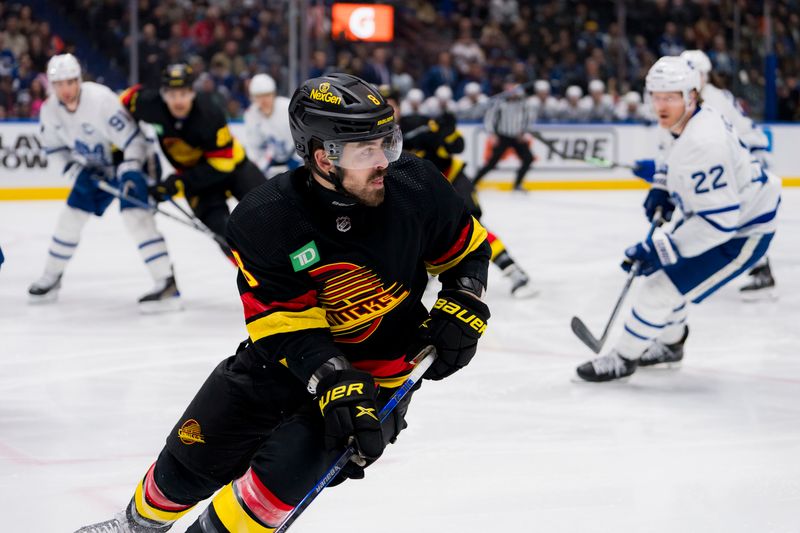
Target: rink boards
{"type": "Point", "coordinates": [25, 173]}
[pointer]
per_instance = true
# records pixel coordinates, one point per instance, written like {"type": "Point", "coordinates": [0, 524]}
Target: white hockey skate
{"type": "Point", "coordinates": [520, 282]}
{"type": "Point", "coordinates": [164, 298]}
{"type": "Point", "coordinates": [45, 289]}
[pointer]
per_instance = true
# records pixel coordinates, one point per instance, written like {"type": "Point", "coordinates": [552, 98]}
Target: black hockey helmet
{"type": "Point", "coordinates": [336, 109]}
{"type": "Point", "coordinates": [177, 76]}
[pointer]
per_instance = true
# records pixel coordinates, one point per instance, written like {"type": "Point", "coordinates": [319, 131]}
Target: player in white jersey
{"type": "Point", "coordinates": [757, 142]}
{"type": "Point", "coordinates": [81, 123]}
{"type": "Point", "coordinates": [268, 141]}
{"type": "Point", "coordinates": [729, 204]}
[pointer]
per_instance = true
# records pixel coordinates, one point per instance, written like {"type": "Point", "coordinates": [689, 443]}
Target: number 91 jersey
{"type": "Point", "coordinates": [89, 135]}
{"type": "Point", "coordinates": [722, 190]}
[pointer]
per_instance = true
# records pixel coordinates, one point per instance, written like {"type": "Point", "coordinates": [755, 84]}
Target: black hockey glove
{"type": "Point", "coordinates": [457, 322]}
{"type": "Point", "coordinates": [347, 402]}
{"type": "Point", "coordinates": [164, 190]}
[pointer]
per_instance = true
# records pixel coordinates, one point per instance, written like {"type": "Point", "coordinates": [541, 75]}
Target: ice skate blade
{"type": "Point", "coordinates": [170, 305]}
{"type": "Point", "coordinates": [525, 292]}
{"type": "Point", "coordinates": [761, 295]}
{"type": "Point", "coordinates": [43, 299]}
{"type": "Point", "coordinates": [577, 379]}
{"type": "Point", "coordinates": [674, 365]}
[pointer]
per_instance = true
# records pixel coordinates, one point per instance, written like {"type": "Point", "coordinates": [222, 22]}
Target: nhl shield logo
{"type": "Point", "coordinates": [343, 224]}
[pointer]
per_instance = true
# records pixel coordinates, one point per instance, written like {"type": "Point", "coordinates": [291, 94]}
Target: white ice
{"type": "Point", "coordinates": [89, 389]}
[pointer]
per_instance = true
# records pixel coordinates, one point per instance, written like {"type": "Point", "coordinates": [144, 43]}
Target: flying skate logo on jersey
{"type": "Point", "coordinates": [355, 300]}
{"type": "Point", "coordinates": [343, 224]}
{"type": "Point", "coordinates": [304, 257]}
{"type": "Point", "coordinates": [190, 433]}
{"type": "Point", "coordinates": [179, 151]}
{"type": "Point", "coordinates": [88, 129]}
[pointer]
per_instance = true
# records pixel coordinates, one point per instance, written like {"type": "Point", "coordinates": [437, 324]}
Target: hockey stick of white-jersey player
{"type": "Point", "coordinates": [423, 361]}
{"type": "Point", "coordinates": [579, 328]}
{"type": "Point", "coordinates": [596, 161]}
{"type": "Point", "coordinates": [193, 222]}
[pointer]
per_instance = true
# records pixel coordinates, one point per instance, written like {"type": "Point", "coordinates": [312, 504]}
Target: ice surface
{"type": "Point", "coordinates": [89, 389]}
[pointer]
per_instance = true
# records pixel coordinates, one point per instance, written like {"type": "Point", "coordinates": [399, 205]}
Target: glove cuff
{"type": "Point", "coordinates": [664, 248]}
{"type": "Point", "coordinates": [328, 368]}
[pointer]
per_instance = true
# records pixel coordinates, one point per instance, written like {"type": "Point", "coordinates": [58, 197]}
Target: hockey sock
{"type": "Point", "coordinates": [676, 324]}
{"type": "Point", "coordinates": [65, 239]}
{"type": "Point", "coordinates": [152, 248]}
{"type": "Point", "coordinates": [243, 505]}
{"type": "Point", "coordinates": [152, 505]}
{"type": "Point", "coordinates": [651, 314]}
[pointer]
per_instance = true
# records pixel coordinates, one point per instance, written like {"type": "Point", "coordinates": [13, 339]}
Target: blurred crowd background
{"type": "Point", "coordinates": [450, 49]}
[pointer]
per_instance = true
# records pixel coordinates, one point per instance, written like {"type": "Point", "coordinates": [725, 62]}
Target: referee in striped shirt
{"type": "Point", "coordinates": [508, 121]}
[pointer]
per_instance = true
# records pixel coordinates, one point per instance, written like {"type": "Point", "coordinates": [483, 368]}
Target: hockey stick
{"type": "Point", "coordinates": [579, 327]}
{"type": "Point", "coordinates": [423, 360]}
{"type": "Point", "coordinates": [596, 161]}
{"type": "Point", "coordinates": [113, 191]}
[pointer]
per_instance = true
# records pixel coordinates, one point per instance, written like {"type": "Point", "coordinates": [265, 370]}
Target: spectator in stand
{"type": "Point", "coordinates": [38, 95]}
{"type": "Point", "coordinates": [473, 105]}
{"type": "Point", "coordinates": [151, 56]}
{"type": "Point", "coordinates": [670, 43]}
{"type": "Point", "coordinates": [13, 37]}
{"type": "Point", "coordinates": [375, 70]}
{"type": "Point", "coordinates": [543, 103]}
{"type": "Point", "coordinates": [319, 64]}
{"type": "Point", "coordinates": [569, 109]}
{"type": "Point", "coordinates": [442, 73]}
{"type": "Point", "coordinates": [466, 49]}
{"type": "Point", "coordinates": [402, 81]}
{"type": "Point", "coordinates": [597, 106]}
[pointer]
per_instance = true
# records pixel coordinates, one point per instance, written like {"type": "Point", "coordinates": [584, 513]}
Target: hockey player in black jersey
{"type": "Point", "coordinates": [438, 140]}
{"type": "Point", "coordinates": [209, 161]}
{"type": "Point", "coordinates": [334, 258]}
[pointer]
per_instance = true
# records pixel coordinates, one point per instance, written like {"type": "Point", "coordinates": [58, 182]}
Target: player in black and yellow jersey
{"type": "Point", "coordinates": [438, 140]}
{"type": "Point", "coordinates": [334, 258]}
{"type": "Point", "coordinates": [209, 161]}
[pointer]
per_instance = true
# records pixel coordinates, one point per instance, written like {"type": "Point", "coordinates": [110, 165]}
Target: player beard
{"type": "Point", "coordinates": [371, 194]}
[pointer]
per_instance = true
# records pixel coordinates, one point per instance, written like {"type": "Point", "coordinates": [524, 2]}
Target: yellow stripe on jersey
{"type": "Point", "coordinates": [226, 163]}
{"type": "Point", "coordinates": [286, 322]}
{"type": "Point", "coordinates": [391, 383]}
{"type": "Point", "coordinates": [479, 234]}
{"type": "Point", "coordinates": [497, 248]}
{"type": "Point", "coordinates": [150, 512]}
{"type": "Point", "coordinates": [233, 516]}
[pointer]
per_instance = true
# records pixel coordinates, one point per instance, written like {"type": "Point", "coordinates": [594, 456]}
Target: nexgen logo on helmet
{"type": "Point", "coordinates": [323, 96]}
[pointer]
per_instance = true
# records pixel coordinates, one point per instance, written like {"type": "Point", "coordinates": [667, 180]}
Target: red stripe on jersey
{"type": "Point", "coordinates": [156, 498]}
{"type": "Point", "coordinates": [260, 500]}
{"type": "Point", "coordinates": [491, 237]}
{"type": "Point", "coordinates": [384, 368]}
{"type": "Point", "coordinates": [128, 94]}
{"type": "Point", "coordinates": [227, 153]}
{"type": "Point", "coordinates": [457, 247]}
{"type": "Point", "coordinates": [253, 306]}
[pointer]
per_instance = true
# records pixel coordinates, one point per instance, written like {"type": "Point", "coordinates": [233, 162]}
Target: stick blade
{"type": "Point", "coordinates": [582, 332]}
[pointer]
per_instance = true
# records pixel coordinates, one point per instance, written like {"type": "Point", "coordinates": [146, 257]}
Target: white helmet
{"type": "Point", "coordinates": [574, 91]}
{"type": "Point", "coordinates": [698, 60]}
{"type": "Point", "coordinates": [443, 92]}
{"type": "Point", "coordinates": [632, 97]}
{"type": "Point", "coordinates": [415, 96]}
{"type": "Point", "coordinates": [597, 86]}
{"type": "Point", "coordinates": [262, 84]}
{"type": "Point", "coordinates": [673, 74]}
{"type": "Point", "coordinates": [542, 86]}
{"type": "Point", "coordinates": [472, 88]}
{"type": "Point", "coordinates": [63, 67]}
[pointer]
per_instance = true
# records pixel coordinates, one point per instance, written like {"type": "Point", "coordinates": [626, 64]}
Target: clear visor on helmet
{"type": "Point", "coordinates": [360, 155]}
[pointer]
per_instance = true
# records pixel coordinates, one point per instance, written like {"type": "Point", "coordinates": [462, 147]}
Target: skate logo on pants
{"type": "Point", "coordinates": [190, 433]}
{"type": "Point", "coordinates": [304, 257]}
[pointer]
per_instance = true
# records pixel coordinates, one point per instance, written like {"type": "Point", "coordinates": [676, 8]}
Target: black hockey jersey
{"type": "Point", "coordinates": [435, 139]}
{"type": "Point", "coordinates": [319, 279]}
{"type": "Point", "coordinates": [200, 146]}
